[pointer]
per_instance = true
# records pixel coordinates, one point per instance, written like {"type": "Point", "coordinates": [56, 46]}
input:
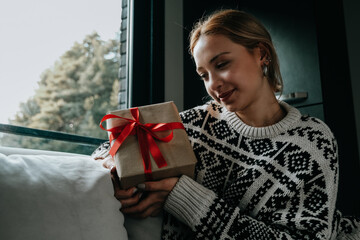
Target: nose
{"type": "Point", "coordinates": [215, 82]}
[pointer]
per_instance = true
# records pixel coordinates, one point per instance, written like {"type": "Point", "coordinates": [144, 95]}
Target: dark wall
{"type": "Point", "coordinates": [338, 99]}
{"type": "Point", "coordinates": [352, 22]}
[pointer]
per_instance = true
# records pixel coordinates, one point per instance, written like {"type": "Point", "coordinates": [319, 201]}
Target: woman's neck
{"type": "Point", "coordinates": [262, 114]}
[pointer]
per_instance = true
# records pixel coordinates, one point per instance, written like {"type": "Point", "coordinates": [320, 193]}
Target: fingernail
{"type": "Point", "coordinates": [140, 195]}
{"type": "Point", "coordinates": [141, 186]}
{"type": "Point", "coordinates": [135, 190]}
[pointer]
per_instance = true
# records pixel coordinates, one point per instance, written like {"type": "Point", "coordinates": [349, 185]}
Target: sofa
{"type": "Point", "coordinates": [55, 195]}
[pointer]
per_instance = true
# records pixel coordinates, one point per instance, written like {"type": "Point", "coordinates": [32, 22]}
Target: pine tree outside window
{"type": "Point", "coordinates": [76, 89]}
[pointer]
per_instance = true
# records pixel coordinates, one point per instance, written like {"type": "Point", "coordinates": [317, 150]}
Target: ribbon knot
{"type": "Point", "coordinates": [146, 137]}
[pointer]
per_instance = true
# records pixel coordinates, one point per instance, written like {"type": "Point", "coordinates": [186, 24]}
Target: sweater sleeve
{"type": "Point", "coordinates": [308, 213]}
{"type": "Point", "coordinates": [210, 217]}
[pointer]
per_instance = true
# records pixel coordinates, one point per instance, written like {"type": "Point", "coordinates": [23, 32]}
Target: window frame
{"type": "Point", "coordinates": [47, 134]}
{"type": "Point", "coordinates": [146, 60]}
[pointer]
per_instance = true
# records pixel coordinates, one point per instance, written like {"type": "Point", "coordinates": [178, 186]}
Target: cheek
{"type": "Point", "coordinates": [211, 93]}
{"type": "Point", "coordinates": [247, 79]}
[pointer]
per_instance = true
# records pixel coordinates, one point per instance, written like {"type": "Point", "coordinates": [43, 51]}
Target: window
{"type": "Point", "coordinates": [59, 66]}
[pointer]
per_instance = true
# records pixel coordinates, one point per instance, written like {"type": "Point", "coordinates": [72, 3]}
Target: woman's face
{"type": "Point", "coordinates": [232, 74]}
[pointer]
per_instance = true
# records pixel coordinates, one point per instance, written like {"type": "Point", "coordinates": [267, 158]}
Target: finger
{"type": "Point", "coordinates": [128, 202]}
{"type": "Point", "coordinates": [125, 194]}
{"type": "Point", "coordinates": [108, 162]}
{"type": "Point", "coordinates": [115, 179]}
{"type": "Point", "coordinates": [150, 211]}
{"type": "Point", "coordinates": [151, 199]}
{"type": "Point", "coordinates": [120, 193]}
{"type": "Point", "coordinates": [166, 184]}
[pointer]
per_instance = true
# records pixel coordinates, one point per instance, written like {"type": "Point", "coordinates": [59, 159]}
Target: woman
{"type": "Point", "coordinates": [264, 171]}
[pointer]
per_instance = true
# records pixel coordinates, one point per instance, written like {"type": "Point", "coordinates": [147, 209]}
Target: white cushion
{"type": "Point", "coordinates": [57, 197]}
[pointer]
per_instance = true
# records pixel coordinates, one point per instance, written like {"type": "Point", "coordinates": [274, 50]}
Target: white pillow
{"type": "Point", "coordinates": [57, 197]}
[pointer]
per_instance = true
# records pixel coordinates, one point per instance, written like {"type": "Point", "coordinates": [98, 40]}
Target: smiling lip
{"type": "Point", "coordinates": [224, 96]}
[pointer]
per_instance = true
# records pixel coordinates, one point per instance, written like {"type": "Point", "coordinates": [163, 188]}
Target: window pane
{"type": "Point", "coordinates": [59, 63]}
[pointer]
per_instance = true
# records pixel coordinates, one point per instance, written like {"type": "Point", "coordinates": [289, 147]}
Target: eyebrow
{"type": "Point", "coordinates": [215, 57]}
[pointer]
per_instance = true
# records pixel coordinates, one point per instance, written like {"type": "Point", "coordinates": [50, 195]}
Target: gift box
{"type": "Point", "coordinates": [149, 143]}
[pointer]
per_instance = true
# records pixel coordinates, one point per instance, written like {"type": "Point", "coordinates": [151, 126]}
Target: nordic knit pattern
{"type": "Point", "coordinates": [275, 182]}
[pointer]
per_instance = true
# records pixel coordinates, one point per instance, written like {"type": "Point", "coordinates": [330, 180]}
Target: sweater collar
{"type": "Point", "coordinates": [292, 116]}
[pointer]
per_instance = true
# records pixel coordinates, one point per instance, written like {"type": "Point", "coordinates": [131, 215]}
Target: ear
{"type": "Point", "coordinates": [264, 53]}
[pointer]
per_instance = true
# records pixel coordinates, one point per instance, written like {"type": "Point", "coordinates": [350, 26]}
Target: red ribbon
{"type": "Point", "coordinates": [146, 135]}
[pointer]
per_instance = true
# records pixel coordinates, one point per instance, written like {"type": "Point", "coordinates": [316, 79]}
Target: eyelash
{"type": "Point", "coordinates": [218, 66]}
{"type": "Point", "coordinates": [221, 65]}
{"type": "Point", "coordinates": [203, 77]}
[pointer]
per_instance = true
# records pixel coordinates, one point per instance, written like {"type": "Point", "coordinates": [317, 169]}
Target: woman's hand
{"type": "Point", "coordinates": [128, 197]}
{"type": "Point", "coordinates": [108, 162]}
{"type": "Point", "coordinates": [102, 154]}
{"type": "Point", "coordinates": [146, 200]}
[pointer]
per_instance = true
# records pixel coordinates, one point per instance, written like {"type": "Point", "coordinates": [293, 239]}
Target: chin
{"type": "Point", "coordinates": [229, 107]}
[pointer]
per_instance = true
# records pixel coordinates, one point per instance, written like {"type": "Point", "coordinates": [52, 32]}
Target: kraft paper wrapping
{"type": "Point", "coordinates": [178, 153]}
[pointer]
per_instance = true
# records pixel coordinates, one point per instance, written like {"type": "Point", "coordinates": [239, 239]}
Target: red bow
{"type": "Point", "coordinates": [145, 134]}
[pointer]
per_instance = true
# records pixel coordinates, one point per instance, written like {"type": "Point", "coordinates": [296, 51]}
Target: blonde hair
{"type": "Point", "coordinates": [241, 28]}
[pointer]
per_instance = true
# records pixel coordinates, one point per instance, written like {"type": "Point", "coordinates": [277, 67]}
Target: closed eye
{"type": "Point", "coordinates": [203, 76]}
{"type": "Point", "coordinates": [221, 64]}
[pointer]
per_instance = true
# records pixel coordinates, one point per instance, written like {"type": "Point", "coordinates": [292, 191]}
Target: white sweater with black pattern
{"type": "Point", "coordinates": [275, 182]}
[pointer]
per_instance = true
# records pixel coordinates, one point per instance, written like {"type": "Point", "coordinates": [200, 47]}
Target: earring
{"type": "Point", "coordinates": [265, 70]}
{"type": "Point", "coordinates": [265, 67]}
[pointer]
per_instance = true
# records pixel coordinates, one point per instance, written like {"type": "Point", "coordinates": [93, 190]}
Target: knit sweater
{"type": "Point", "coordinates": [274, 182]}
